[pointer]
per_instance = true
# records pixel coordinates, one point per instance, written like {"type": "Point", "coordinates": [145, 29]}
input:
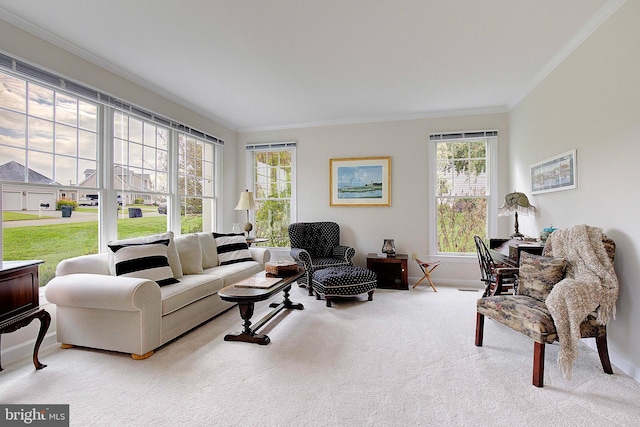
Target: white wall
{"type": "Point", "coordinates": [406, 220]}
{"type": "Point", "coordinates": [591, 102]}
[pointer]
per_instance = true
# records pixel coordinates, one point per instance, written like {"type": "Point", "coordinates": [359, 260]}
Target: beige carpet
{"type": "Point", "coordinates": [403, 359]}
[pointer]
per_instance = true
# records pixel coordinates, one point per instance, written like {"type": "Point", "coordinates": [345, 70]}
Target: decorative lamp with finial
{"type": "Point", "coordinates": [246, 203]}
{"type": "Point", "coordinates": [516, 203]}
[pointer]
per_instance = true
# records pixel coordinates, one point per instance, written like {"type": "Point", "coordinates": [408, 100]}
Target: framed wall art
{"type": "Point", "coordinates": [360, 181]}
{"type": "Point", "coordinates": [554, 174]}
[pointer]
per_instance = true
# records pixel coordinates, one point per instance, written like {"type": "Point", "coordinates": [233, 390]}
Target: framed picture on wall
{"type": "Point", "coordinates": [554, 174]}
{"type": "Point", "coordinates": [360, 181]}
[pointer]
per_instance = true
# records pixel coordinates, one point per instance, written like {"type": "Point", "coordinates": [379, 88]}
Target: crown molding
{"type": "Point", "coordinates": [364, 120]}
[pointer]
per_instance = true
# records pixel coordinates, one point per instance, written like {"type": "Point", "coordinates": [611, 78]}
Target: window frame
{"type": "Point", "coordinates": [106, 108]}
{"type": "Point", "coordinates": [250, 168]}
{"type": "Point", "coordinates": [491, 137]}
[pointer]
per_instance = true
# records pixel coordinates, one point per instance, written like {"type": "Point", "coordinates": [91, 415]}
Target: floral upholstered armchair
{"type": "Point", "coordinates": [566, 294]}
{"type": "Point", "coordinates": [316, 245]}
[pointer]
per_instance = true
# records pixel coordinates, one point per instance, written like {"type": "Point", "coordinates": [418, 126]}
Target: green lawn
{"type": "Point", "coordinates": [19, 216]}
{"type": "Point", "coordinates": [53, 243]}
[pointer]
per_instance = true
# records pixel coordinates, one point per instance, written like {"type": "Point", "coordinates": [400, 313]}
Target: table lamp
{"type": "Point", "coordinates": [246, 203]}
{"type": "Point", "coordinates": [516, 203]}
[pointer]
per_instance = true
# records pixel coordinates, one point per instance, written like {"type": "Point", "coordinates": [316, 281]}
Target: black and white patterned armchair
{"type": "Point", "coordinates": [316, 245]}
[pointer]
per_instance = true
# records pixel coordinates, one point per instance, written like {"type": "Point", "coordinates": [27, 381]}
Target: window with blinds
{"type": "Point", "coordinates": [273, 181]}
{"type": "Point", "coordinates": [461, 188]}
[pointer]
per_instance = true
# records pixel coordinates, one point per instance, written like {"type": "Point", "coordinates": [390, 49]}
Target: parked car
{"type": "Point", "coordinates": [162, 208]}
{"type": "Point", "coordinates": [87, 202]}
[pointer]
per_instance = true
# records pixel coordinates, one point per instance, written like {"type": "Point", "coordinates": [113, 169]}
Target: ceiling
{"type": "Point", "coordinates": [271, 64]}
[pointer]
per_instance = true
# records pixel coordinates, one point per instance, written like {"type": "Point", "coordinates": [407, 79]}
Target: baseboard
{"type": "Point", "coordinates": [620, 362]}
{"type": "Point", "coordinates": [452, 283]}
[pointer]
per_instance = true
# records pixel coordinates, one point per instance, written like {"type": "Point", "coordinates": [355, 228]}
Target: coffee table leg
{"type": "Point", "coordinates": [247, 335]}
{"type": "Point", "coordinates": [286, 302]}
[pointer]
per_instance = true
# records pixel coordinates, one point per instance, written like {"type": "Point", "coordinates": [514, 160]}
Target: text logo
{"type": "Point", "coordinates": [34, 415]}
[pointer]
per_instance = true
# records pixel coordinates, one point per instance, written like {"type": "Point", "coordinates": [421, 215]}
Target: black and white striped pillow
{"type": "Point", "coordinates": [144, 261]}
{"type": "Point", "coordinates": [232, 248]}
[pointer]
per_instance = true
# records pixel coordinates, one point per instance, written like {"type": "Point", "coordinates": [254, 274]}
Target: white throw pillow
{"type": "Point", "coordinates": [232, 248]}
{"type": "Point", "coordinates": [209, 251]}
{"type": "Point", "coordinates": [144, 261]}
{"type": "Point", "coordinates": [172, 252]}
{"type": "Point", "coordinates": [188, 246]}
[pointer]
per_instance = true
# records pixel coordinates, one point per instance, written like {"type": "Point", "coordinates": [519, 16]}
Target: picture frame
{"type": "Point", "coordinates": [554, 174]}
{"type": "Point", "coordinates": [360, 181]}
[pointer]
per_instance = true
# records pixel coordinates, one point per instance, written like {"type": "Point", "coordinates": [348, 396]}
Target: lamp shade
{"type": "Point", "coordinates": [246, 202]}
{"type": "Point", "coordinates": [516, 203]}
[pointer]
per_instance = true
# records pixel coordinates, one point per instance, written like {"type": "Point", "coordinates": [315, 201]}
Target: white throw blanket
{"type": "Point", "coordinates": [590, 283]}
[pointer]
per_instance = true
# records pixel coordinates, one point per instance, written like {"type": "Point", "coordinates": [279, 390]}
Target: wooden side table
{"type": "Point", "coordinates": [19, 301]}
{"type": "Point", "coordinates": [392, 272]}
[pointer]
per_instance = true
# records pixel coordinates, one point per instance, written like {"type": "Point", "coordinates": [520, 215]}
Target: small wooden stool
{"type": "Point", "coordinates": [427, 268]}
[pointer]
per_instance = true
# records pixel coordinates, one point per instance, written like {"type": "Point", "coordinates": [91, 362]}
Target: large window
{"type": "Point", "coordinates": [48, 142]}
{"type": "Point", "coordinates": [196, 183]}
{"type": "Point", "coordinates": [79, 168]}
{"type": "Point", "coordinates": [50, 136]}
{"type": "Point", "coordinates": [140, 171]}
{"type": "Point", "coordinates": [461, 183]}
{"type": "Point", "coordinates": [273, 181]}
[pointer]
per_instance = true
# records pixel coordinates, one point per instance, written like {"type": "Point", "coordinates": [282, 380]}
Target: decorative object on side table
{"type": "Point", "coordinates": [389, 247]}
{"type": "Point", "coordinates": [246, 203]}
{"type": "Point", "coordinates": [545, 234]}
{"type": "Point", "coordinates": [281, 268]}
{"type": "Point", "coordinates": [516, 203]}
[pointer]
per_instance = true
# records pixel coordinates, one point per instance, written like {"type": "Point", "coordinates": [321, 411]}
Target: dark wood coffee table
{"type": "Point", "coordinates": [246, 299]}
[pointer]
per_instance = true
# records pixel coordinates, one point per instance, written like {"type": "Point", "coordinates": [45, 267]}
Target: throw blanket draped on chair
{"type": "Point", "coordinates": [590, 284]}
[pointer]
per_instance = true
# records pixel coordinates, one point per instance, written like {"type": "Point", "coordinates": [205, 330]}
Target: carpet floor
{"type": "Point", "coordinates": [403, 359]}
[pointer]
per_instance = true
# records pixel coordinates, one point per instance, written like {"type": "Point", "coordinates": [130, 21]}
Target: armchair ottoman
{"type": "Point", "coordinates": [343, 281]}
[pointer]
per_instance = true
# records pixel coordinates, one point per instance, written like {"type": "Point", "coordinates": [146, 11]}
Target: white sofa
{"type": "Point", "coordinates": [98, 309]}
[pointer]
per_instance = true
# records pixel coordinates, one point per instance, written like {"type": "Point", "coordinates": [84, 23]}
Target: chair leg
{"type": "Point", "coordinates": [603, 352]}
{"type": "Point", "coordinates": [538, 364]}
{"type": "Point", "coordinates": [479, 329]}
{"type": "Point", "coordinates": [419, 281]}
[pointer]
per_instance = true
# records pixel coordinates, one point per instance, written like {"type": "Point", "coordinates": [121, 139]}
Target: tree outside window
{"type": "Point", "coordinates": [273, 190]}
{"type": "Point", "coordinates": [462, 193]}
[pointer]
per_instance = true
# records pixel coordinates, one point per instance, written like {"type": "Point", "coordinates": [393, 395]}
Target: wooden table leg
{"type": "Point", "coordinates": [247, 334]}
{"type": "Point", "coordinates": [45, 321]}
{"type": "Point", "coordinates": [287, 302]}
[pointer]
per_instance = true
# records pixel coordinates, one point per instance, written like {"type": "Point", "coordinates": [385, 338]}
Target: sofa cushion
{"type": "Point", "coordinates": [209, 251]}
{"type": "Point", "coordinates": [526, 315]}
{"type": "Point", "coordinates": [232, 273]}
{"type": "Point", "coordinates": [172, 252]}
{"type": "Point", "coordinates": [143, 260]}
{"type": "Point", "coordinates": [191, 288]}
{"type": "Point", "coordinates": [538, 275]}
{"type": "Point", "coordinates": [190, 253]}
{"type": "Point", "coordinates": [232, 248]}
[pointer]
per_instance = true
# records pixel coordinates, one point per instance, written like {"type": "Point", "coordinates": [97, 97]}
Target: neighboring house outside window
{"type": "Point", "coordinates": [272, 178]}
{"type": "Point", "coordinates": [116, 165]}
{"type": "Point", "coordinates": [462, 182]}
